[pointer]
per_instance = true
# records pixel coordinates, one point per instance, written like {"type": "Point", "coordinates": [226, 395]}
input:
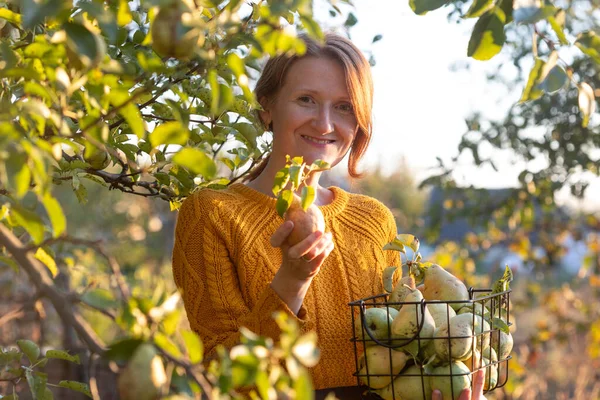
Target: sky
{"type": "Point", "coordinates": [420, 102]}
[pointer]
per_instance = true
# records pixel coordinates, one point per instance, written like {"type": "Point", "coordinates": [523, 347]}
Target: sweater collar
{"type": "Point", "coordinates": [340, 199]}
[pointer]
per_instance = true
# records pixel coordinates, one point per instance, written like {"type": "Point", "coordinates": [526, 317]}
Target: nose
{"type": "Point", "coordinates": [322, 121]}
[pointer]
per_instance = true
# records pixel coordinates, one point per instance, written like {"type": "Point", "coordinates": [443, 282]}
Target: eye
{"type": "Point", "coordinates": [305, 99]}
{"type": "Point", "coordinates": [346, 107]}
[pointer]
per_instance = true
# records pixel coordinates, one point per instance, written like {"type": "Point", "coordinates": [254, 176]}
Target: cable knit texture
{"type": "Point", "coordinates": [223, 263]}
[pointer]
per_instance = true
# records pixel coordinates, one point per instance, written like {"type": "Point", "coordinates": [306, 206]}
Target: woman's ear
{"type": "Point", "coordinates": [265, 113]}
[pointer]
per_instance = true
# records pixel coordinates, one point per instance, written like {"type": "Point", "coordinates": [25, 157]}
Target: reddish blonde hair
{"type": "Point", "coordinates": [358, 81]}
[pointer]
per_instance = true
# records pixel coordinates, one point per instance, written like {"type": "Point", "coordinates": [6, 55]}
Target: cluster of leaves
{"type": "Point", "coordinates": [294, 175]}
{"type": "Point", "coordinates": [12, 369]}
{"type": "Point", "coordinates": [150, 98]}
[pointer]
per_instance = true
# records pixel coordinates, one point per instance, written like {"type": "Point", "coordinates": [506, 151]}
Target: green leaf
{"type": "Point", "coordinates": [171, 132]}
{"type": "Point", "coordinates": [499, 323]}
{"type": "Point", "coordinates": [99, 298]}
{"type": "Point", "coordinates": [557, 22]}
{"type": "Point", "coordinates": [531, 15]}
{"type": "Point", "coordinates": [30, 221]}
{"type": "Point", "coordinates": [282, 177]}
{"type": "Point", "coordinates": [395, 245]}
{"type": "Point", "coordinates": [129, 111]}
{"type": "Point", "coordinates": [10, 16]}
{"type": "Point", "coordinates": [248, 132]}
{"type": "Point", "coordinates": [63, 355]}
{"type": "Point", "coordinates": [307, 197]}
{"type": "Point", "coordinates": [488, 36]}
{"type": "Point", "coordinates": [37, 384]}
{"type": "Point", "coordinates": [76, 386]}
{"type": "Point", "coordinates": [9, 57]}
{"type": "Point", "coordinates": [122, 350]}
{"type": "Point", "coordinates": [421, 7]}
{"type": "Point", "coordinates": [377, 38]}
{"type": "Point", "coordinates": [34, 12]}
{"type": "Point", "coordinates": [194, 346]}
{"type": "Point", "coordinates": [284, 201]}
{"type": "Point", "coordinates": [303, 387]}
{"type": "Point", "coordinates": [295, 175]}
{"type": "Point", "coordinates": [305, 349]}
{"type": "Point", "coordinates": [47, 260]}
{"type": "Point", "coordinates": [79, 189]}
{"type": "Point", "coordinates": [167, 345]}
{"type": "Point", "coordinates": [236, 64]}
{"type": "Point", "coordinates": [531, 90]}
{"type": "Point", "coordinates": [479, 7]}
{"type": "Point", "coordinates": [124, 13]}
{"type": "Point", "coordinates": [555, 80]}
{"type": "Point", "coordinates": [196, 161]}
{"type": "Point", "coordinates": [507, 7]}
{"type": "Point", "coordinates": [351, 20]}
{"type": "Point", "coordinates": [30, 349]}
{"type": "Point", "coordinates": [589, 43]}
{"type": "Point", "coordinates": [10, 262]}
{"type": "Point", "coordinates": [88, 47]}
{"type": "Point", "coordinates": [19, 174]}
{"type": "Point", "coordinates": [55, 213]}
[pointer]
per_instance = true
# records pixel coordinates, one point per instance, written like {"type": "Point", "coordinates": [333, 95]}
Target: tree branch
{"type": "Point", "coordinates": [39, 276]}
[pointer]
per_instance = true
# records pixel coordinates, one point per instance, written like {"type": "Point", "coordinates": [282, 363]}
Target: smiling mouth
{"type": "Point", "coordinates": [318, 141]}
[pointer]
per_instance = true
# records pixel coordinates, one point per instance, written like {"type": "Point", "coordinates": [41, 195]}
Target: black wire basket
{"type": "Point", "coordinates": [410, 367]}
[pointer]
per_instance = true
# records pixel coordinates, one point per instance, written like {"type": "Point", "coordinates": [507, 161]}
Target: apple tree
{"type": "Point", "coordinates": [151, 98]}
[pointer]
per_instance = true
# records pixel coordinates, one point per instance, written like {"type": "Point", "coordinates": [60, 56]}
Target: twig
{"type": "Point", "coordinates": [198, 377]}
{"type": "Point", "coordinates": [44, 284]}
{"type": "Point", "coordinates": [93, 383]}
{"type": "Point", "coordinates": [17, 312]}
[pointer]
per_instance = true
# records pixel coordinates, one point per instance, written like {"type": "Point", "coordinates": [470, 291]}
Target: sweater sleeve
{"type": "Point", "coordinates": [205, 273]}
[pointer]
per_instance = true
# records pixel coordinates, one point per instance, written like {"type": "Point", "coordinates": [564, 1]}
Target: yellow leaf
{"type": "Point", "coordinates": [47, 260]}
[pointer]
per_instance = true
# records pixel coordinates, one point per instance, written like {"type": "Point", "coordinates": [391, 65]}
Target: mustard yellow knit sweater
{"type": "Point", "coordinates": [223, 263]}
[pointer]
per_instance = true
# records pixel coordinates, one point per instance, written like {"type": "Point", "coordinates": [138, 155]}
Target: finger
{"type": "Point", "coordinates": [322, 245]}
{"type": "Point", "coordinates": [279, 236]}
{"type": "Point", "coordinates": [478, 383]}
{"type": "Point", "coordinates": [437, 395]}
{"type": "Point", "coordinates": [465, 394]}
{"type": "Point", "coordinates": [305, 245]}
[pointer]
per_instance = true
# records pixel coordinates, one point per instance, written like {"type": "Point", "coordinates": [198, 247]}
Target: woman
{"type": "Point", "coordinates": [230, 257]}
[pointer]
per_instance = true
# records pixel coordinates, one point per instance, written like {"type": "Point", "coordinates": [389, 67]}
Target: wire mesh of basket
{"type": "Point", "coordinates": [409, 363]}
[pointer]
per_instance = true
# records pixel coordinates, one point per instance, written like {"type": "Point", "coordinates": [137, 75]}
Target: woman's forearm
{"type": "Point", "coordinates": [292, 292]}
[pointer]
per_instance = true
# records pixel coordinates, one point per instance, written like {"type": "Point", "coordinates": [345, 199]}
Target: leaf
{"type": "Point", "coordinates": [295, 175]}
{"type": "Point", "coordinates": [76, 386]}
{"type": "Point", "coordinates": [34, 11]}
{"type": "Point", "coordinates": [531, 90]}
{"type": "Point", "coordinates": [63, 355]}
{"type": "Point", "coordinates": [122, 350]}
{"type": "Point", "coordinates": [55, 213]}
{"type": "Point", "coordinates": [124, 16]}
{"type": "Point", "coordinates": [99, 298]}
{"type": "Point", "coordinates": [87, 46]}
{"type": "Point", "coordinates": [171, 132]}
{"type": "Point", "coordinates": [47, 260]}
{"type": "Point", "coordinates": [479, 7]}
{"type": "Point", "coordinates": [498, 323]}
{"type": "Point", "coordinates": [305, 349]}
{"type": "Point", "coordinates": [488, 36]}
{"type": "Point", "coordinates": [307, 197]}
{"type": "Point", "coordinates": [37, 384]}
{"type": "Point", "coordinates": [555, 80]}
{"type": "Point", "coordinates": [531, 15]}
{"type": "Point", "coordinates": [19, 174]}
{"type": "Point", "coordinates": [587, 102]}
{"type": "Point", "coordinates": [236, 64]}
{"type": "Point", "coordinates": [167, 345]}
{"type": "Point", "coordinates": [351, 20]}
{"type": "Point", "coordinates": [30, 349]}
{"type": "Point", "coordinates": [10, 262]}
{"type": "Point", "coordinates": [194, 346]}
{"type": "Point", "coordinates": [557, 22]}
{"type": "Point", "coordinates": [395, 245]}
{"type": "Point", "coordinates": [196, 161]}
{"type": "Point", "coordinates": [377, 38]}
{"type": "Point", "coordinates": [589, 43]}
{"type": "Point", "coordinates": [421, 7]}
{"type": "Point", "coordinates": [303, 387]}
{"type": "Point", "coordinates": [409, 240]}
{"type": "Point", "coordinates": [284, 201]}
{"type": "Point", "coordinates": [30, 221]}
{"type": "Point", "coordinates": [282, 177]}
{"type": "Point", "coordinates": [121, 99]}
{"type": "Point", "coordinates": [10, 16]}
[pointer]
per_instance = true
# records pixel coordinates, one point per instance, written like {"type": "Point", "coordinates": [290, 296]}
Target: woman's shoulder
{"type": "Point", "coordinates": [210, 199]}
{"type": "Point", "coordinates": [367, 204]}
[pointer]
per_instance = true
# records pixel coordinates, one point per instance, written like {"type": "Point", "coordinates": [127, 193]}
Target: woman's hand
{"type": "Point", "coordinates": [300, 263]}
{"type": "Point", "coordinates": [478, 381]}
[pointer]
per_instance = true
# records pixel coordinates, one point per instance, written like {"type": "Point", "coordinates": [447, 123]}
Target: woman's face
{"type": "Point", "coordinates": [312, 114]}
